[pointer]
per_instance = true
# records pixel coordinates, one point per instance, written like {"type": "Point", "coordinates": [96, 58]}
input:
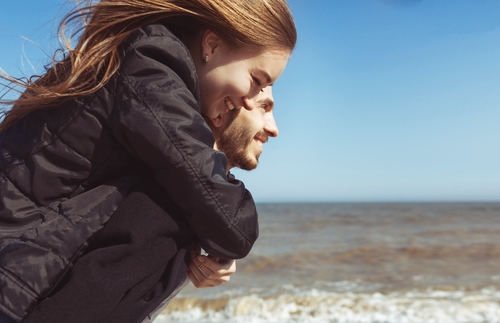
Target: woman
{"type": "Point", "coordinates": [124, 105]}
{"type": "Point", "coordinates": [136, 264]}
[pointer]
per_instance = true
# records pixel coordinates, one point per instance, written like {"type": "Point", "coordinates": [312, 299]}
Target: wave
{"type": "Point", "coordinates": [371, 255]}
{"type": "Point", "coordinates": [313, 305]}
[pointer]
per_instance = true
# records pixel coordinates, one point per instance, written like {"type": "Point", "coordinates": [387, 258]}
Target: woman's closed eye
{"type": "Point", "coordinates": [257, 82]}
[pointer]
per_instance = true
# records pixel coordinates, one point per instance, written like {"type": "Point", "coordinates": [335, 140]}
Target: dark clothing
{"type": "Point", "coordinates": [65, 170]}
{"type": "Point", "coordinates": [6, 319]}
{"type": "Point", "coordinates": [138, 259]}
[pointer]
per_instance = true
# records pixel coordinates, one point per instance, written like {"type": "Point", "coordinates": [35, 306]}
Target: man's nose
{"type": "Point", "coordinates": [270, 125]}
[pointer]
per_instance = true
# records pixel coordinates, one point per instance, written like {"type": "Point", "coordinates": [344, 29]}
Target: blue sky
{"type": "Point", "coordinates": [383, 100]}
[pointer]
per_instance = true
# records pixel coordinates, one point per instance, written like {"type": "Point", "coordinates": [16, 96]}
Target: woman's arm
{"type": "Point", "coordinates": [157, 118]}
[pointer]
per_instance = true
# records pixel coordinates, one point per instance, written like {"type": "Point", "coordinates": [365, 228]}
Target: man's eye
{"type": "Point", "coordinates": [256, 81]}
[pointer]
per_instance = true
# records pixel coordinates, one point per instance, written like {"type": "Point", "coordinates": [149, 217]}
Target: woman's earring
{"type": "Point", "coordinates": [206, 58]}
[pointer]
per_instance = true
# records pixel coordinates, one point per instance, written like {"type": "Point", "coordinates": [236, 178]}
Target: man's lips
{"type": "Point", "coordinates": [261, 136]}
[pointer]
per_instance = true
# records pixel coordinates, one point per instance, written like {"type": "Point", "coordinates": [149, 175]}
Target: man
{"type": "Point", "coordinates": [127, 271]}
{"type": "Point", "coordinates": [240, 135]}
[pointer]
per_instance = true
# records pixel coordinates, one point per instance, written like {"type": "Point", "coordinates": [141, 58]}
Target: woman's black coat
{"type": "Point", "coordinates": [65, 170]}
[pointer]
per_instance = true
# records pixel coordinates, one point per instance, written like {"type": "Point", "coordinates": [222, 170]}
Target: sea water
{"type": "Point", "coordinates": [360, 262]}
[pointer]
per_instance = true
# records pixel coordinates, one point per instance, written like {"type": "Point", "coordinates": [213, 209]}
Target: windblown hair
{"type": "Point", "coordinates": [103, 26]}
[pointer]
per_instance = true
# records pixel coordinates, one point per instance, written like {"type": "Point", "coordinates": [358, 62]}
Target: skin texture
{"type": "Point", "coordinates": [253, 127]}
{"type": "Point", "coordinates": [213, 273]}
{"type": "Point", "coordinates": [233, 77]}
{"type": "Point", "coordinates": [246, 131]}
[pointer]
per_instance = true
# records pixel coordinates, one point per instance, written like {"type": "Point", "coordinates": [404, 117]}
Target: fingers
{"type": "Point", "coordinates": [209, 272]}
{"type": "Point", "coordinates": [213, 267]}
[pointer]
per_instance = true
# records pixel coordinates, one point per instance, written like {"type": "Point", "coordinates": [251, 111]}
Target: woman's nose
{"type": "Point", "coordinates": [249, 103]}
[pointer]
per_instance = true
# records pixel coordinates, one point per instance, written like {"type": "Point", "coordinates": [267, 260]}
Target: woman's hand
{"type": "Point", "coordinates": [208, 271]}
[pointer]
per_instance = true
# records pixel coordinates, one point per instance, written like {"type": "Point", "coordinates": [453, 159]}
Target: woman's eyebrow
{"type": "Point", "coordinates": [265, 75]}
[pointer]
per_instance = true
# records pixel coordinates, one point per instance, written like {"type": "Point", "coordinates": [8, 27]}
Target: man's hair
{"type": "Point", "coordinates": [101, 27]}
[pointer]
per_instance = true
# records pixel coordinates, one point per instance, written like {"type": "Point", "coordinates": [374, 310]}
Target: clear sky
{"type": "Point", "coordinates": [383, 100]}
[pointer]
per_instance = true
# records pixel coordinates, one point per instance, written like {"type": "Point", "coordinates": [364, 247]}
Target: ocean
{"type": "Point", "coordinates": [360, 263]}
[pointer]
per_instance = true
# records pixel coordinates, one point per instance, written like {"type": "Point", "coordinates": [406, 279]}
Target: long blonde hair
{"type": "Point", "coordinates": [101, 27]}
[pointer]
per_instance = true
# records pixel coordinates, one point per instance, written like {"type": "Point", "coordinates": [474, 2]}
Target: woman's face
{"type": "Point", "coordinates": [233, 78]}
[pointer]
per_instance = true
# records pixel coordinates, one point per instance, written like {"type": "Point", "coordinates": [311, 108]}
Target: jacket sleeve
{"type": "Point", "coordinates": [156, 116]}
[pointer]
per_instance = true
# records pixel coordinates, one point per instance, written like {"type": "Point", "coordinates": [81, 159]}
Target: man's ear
{"type": "Point", "coordinates": [209, 42]}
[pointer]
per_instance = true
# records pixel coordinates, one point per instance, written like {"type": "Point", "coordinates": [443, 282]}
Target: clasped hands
{"type": "Point", "coordinates": [208, 271]}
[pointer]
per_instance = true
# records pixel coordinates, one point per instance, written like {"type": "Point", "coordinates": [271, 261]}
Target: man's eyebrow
{"type": "Point", "coordinates": [267, 101]}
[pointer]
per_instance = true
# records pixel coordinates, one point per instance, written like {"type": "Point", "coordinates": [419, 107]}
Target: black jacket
{"type": "Point", "coordinates": [132, 267]}
{"type": "Point", "coordinates": [65, 170]}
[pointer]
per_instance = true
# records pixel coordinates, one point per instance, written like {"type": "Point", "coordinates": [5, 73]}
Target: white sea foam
{"type": "Point", "coordinates": [430, 256]}
{"type": "Point", "coordinates": [432, 306]}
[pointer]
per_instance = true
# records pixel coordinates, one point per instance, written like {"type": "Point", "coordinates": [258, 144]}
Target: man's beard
{"type": "Point", "coordinates": [235, 142]}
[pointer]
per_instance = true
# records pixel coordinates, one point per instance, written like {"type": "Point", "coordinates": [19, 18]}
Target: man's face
{"type": "Point", "coordinates": [243, 132]}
